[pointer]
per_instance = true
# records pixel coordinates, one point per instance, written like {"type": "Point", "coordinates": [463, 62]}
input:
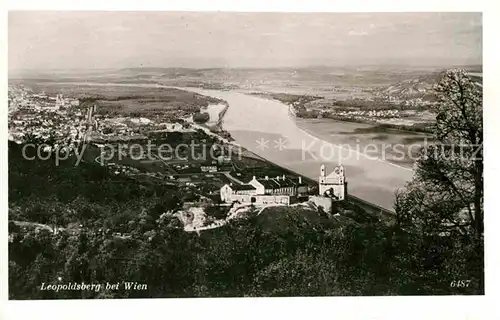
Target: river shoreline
{"type": "Point", "coordinates": [309, 98]}
{"type": "Point", "coordinates": [370, 179]}
{"type": "Point", "coordinates": [260, 125]}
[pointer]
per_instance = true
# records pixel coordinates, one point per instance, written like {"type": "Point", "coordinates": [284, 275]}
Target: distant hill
{"type": "Point", "coordinates": [154, 69]}
{"type": "Point", "coordinates": [421, 87]}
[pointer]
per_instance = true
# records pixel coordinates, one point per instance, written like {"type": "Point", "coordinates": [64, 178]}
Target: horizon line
{"type": "Point", "coordinates": [351, 65]}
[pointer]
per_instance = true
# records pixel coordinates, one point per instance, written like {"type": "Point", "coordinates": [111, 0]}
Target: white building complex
{"type": "Point", "coordinates": [283, 190]}
{"type": "Point", "coordinates": [278, 190]}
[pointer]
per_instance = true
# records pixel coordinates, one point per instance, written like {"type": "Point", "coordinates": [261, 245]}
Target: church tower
{"type": "Point", "coordinates": [341, 175]}
{"type": "Point", "coordinates": [333, 184]}
{"type": "Point", "coordinates": [342, 187]}
{"type": "Point", "coordinates": [322, 174]}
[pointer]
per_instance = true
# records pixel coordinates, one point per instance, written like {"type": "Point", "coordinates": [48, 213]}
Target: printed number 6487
{"type": "Point", "coordinates": [460, 283]}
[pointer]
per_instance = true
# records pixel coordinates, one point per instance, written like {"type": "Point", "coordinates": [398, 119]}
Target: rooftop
{"type": "Point", "coordinates": [242, 187]}
{"type": "Point", "coordinates": [278, 182]}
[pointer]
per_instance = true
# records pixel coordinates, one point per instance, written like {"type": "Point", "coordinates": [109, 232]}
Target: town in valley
{"type": "Point", "coordinates": [285, 162]}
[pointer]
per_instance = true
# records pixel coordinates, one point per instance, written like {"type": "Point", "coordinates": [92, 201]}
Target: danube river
{"type": "Point", "coordinates": [267, 128]}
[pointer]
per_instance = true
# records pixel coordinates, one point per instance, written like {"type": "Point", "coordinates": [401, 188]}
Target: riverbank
{"type": "Point", "coordinates": [264, 127]}
{"type": "Point", "coordinates": [360, 135]}
{"type": "Point", "coordinates": [318, 107]}
{"type": "Point", "coordinates": [400, 148]}
{"type": "Point", "coordinates": [261, 124]}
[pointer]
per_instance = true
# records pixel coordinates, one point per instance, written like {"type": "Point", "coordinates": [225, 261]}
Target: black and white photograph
{"type": "Point", "coordinates": [194, 154]}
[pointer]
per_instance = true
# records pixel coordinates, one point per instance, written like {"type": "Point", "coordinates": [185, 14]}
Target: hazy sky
{"type": "Point", "coordinates": [45, 40]}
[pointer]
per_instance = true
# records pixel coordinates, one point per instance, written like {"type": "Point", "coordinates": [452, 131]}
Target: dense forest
{"type": "Point", "coordinates": [281, 253]}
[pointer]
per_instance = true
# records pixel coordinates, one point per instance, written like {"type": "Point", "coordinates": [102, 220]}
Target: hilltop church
{"type": "Point", "coordinates": [334, 184]}
{"type": "Point", "coordinates": [283, 190]}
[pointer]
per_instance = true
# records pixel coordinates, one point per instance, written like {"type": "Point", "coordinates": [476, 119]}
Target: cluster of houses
{"type": "Point", "coordinates": [393, 113]}
{"type": "Point", "coordinates": [20, 97]}
{"type": "Point", "coordinates": [121, 127]}
{"type": "Point", "coordinates": [40, 116]}
{"type": "Point", "coordinates": [286, 191]}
